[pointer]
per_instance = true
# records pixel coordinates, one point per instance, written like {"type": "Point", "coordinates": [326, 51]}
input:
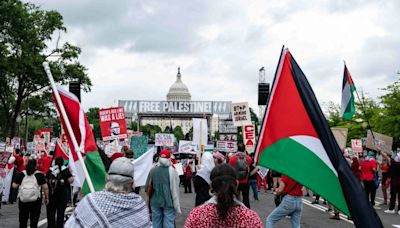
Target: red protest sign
{"type": "Point", "coordinates": [249, 137]}
{"type": "Point", "coordinates": [112, 123]}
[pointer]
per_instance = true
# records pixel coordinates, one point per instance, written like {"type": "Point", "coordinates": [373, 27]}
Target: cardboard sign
{"type": "Point", "coordinates": [356, 146]}
{"type": "Point", "coordinates": [112, 123]}
{"type": "Point", "coordinates": [227, 146]}
{"type": "Point", "coordinates": [382, 141]}
{"type": "Point", "coordinates": [4, 156]}
{"type": "Point", "coordinates": [249, 137]}
{"type": "Point", "coordinates": [200, 131]}
{"type": "Point", "coordinates": [340, 136]}
{"type": "Point", "coordinates": [187, 147]}
{"type": "Point", "coordinates": [139, 145]}
{"type": "Point", "coordinates": [164, 139]}
{"type": "Point", "coordinates": [241, 114]}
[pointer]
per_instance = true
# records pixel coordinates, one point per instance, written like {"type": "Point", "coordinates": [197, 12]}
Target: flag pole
{"type": "Point", "coordinates": [362, 106]}
{"type": "Point", "coordinates": [68, 125]}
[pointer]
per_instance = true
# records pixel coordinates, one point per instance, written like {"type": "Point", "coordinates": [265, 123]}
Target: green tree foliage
{"type": "Point", "coordinates": [93, 118]}
{"type": "Point", "coordinates": [178, 133]}
{"type": "Point", "coordinates": [254, 119]}
{"type": "Point", "coordinates": [390, 115]}
{"type": "Point", "coordinates": [150, 130]}
{"type": "Point", "coordinates": [25, 31]}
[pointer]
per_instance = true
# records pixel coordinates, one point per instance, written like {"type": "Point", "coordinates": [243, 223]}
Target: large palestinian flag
{"type": "Point", "coordinates": [85, 139]}
{"type": "Point", "coordinates": [296, 140]}
{"type": "Point", "coordinates": [347, 108]}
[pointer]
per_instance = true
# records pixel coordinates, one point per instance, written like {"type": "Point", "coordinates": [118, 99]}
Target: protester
{"type": "Point", "coordinates": [163, 191]}
{"type": "Point", "coordinates": [276, 178]}
{"type": "Point", "coordinates": [116, 206]}
{"type": "Point", "coordinates": [394, 174]}
{"type": "Point", "coordinates": [355, 167]}
{"type": "Point", "coordinates": [31, 184]}
{"type": "Point", "coordinates": [44, 162]}
{"type": "Point", "coordinates": [219, 158]}
{"type": "Point", "coordinates": [241, 163]}
{"type": "Point", "coordinates": [1, 190]}
{"type": "Point", "coordinates": [385, 174]}
{"type": "Point", "coordinates": [202, 179]}
{"type": "Point", "coordinates": [253, 180]}
{"type": "Point", "coordinates": [291, 204]}
{"type": "Point", "coordinates": [188, 175]}
{"type": "Point", "coordinates": [223, 209]}
{"type": "Point", "coordinates": [368, 169]}
{"type": "Point", "coordinates": [58, 179]}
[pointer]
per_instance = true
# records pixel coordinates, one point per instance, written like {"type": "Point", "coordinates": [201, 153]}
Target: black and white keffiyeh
{"type": "Point", "coordinates": [106, 209]}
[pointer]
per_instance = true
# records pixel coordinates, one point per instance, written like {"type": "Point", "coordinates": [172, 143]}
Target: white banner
{"type": "Point", "coordinates": [142, 167]}
{"type": "Point", "coordinates": [164, 139]}
{"type": "Point", "coordinates": [179, 169]}
{"type": "Point", "coordinates": [241, 114]}
{"type": "Point", "coordinates": [200, 131]}
{"type": "Point", "coordinates": [7, 185]}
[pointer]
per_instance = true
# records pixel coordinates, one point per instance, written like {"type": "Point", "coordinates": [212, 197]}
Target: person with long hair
{"type": "Point", "coordinates": [223, 209]}
{"type": "Point", "coordinates": [31, 183]}
{"type": "Point", "coordinates": [59, 179]}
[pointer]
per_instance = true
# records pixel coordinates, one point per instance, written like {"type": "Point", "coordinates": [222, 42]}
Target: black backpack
{"type": "Point", "coordinates": [241, 166]}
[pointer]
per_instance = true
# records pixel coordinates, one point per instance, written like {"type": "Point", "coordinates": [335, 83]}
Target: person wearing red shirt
{"type": "Point", "coordinates": [368, 169]}
{"type": "Point", "coordinates": [244, 186]}
{"type": "Point", "coordinates": [291, 204]}
{"type": "Point", "coordinates": [385, 173]}
{"type": "Point", "coordinates": [19, 161]}
{"type": "Point", "coordinates": [43, 163]}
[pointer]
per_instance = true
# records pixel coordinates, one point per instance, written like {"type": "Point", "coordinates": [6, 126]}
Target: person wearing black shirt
{"type": "Point", "coordinates": [59, 179]}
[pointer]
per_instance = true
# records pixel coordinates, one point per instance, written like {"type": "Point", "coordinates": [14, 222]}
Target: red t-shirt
{"type": "Point", "coordinates": [289, 185]}
{"type": "Point", "coordinates": [19, 163]}
{"type": "Point", "coordinates": [367, 167]}
{"type": "Point", "coordinates": [385, 168]}
{"type": "Point", "coordinates": [232, 163]}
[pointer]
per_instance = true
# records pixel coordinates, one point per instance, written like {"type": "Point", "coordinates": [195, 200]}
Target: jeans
{"type": "Point", "coordinates": [253, 184]}
{"type": "Point", "coordinates": [290, 205]}
{"type": "Point", "coordinates": [163, 215]}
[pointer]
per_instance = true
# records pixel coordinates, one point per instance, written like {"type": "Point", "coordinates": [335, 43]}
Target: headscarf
{"type": "Point", "coordinates": [207, 164]}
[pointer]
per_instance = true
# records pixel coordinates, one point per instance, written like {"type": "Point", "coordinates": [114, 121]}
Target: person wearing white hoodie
{"type": "Point", "coordinates": [202, 180]}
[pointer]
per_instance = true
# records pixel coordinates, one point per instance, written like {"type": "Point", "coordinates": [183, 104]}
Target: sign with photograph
{"type": "Point", "coordinates": [241, 114]}
{"type": "Point", "coordinates": [356, 146]}
{"type": "Point", "coordinates": [4, 156]}
{"type": "Point", "coordinates": [163, 139]}
{"type": "Point", "coordinates": [112, 123]}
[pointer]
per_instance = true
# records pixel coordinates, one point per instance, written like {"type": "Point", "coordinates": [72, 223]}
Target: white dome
{"type": "Point", "coordinates": [178, 91]}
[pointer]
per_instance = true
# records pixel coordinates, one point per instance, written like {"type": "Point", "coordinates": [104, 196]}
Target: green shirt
{"type": "Point", "coordinates": [161, 191]}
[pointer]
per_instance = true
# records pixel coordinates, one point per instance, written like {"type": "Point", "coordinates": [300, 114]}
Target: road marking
{"type": "Point", "coordinates": [397, 226]}
{"type": "Point", "coordinates": [44, 221]}
{"type": "Point", "coordinates": [321, 208]}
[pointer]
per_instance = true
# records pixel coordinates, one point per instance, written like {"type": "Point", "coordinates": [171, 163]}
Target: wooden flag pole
{"type": "Point", "coordinates": [68, 125]}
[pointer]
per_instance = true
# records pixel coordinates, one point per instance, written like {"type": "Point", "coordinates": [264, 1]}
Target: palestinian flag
{"type": "Point", "coordinates": [296, 140]}
{"type": "Point", "coordinates": [84, 136]}
{"type": "Point", "coordinates": [60, 151]}
{"type": "Point", "coordinates": [347, 108]}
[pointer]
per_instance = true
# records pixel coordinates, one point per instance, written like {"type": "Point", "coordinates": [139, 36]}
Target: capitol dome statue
{"type": "Point", "coordinates": [178, 91]}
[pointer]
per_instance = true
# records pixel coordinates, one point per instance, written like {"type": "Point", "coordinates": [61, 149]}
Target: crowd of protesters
{"type": "Point", "coordinates": [221, 190]}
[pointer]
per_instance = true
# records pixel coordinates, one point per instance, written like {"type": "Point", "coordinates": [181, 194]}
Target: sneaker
{"type": "Point", "coordinates": [328, 210]}
{"type": "Point", "coordinates": [336, 217]}
{"type": "Point", "coordinates": [315, 202]}
{"type": "Point", "coordinates": [390, 211]}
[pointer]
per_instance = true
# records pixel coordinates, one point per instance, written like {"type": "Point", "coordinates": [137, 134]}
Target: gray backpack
{"type": "Point", "coordinates": [29, 190]}
{"type": "Point", "coordinates": [241, 166]}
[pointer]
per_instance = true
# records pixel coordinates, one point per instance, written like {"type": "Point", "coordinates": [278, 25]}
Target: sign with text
{"type": "Point", "coordinates": [241, 114]}
{"type": "Point", "coordinates": [164, 139]}
{"type": "Point", "coordinates": [381, 141]}
{"type": "Point", "coordinates": [340, 135]}
{"type": "Point", "coordinates": [228, 137]}
{"type": "Point", "coordinates": [249, 137]}
{"type": "Point", "coordinates": [16, 142]}
{"type": "Point", "coordinates": [112, 123]}
{"type": "Point", "coordinates": [208, 107]}
{"type": "Point", "coordinates": [356, 146]}
{"type": "Point", "coordinates": [139, 145]}
{"type": "Point", "coordinates": [187, 147]}
{"type": "Point", "coordinates": [226, 127]}
{"type": "Point", "coordinates": [4, 156]}
{"type": "Point", "coordinates": [227, 146]}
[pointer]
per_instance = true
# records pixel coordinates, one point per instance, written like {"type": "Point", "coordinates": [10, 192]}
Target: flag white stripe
{"type": "Point", "coordinates": [346, 95]}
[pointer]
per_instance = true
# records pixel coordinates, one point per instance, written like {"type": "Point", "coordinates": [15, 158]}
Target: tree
{"type": "Point", "coordinates": [254, 119]}
{"type": "Point", "coordinates": [25, 31]}
{"type": "Point", "coordinates": [390, 115]}
{"type": "Point", "coordinates": [93, 118]}
{"type": "Point", "coordinates": [178, 133]}
{"type": "Point", "coordinates": [134, 125]}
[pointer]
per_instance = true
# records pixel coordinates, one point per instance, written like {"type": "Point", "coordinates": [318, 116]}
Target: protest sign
{"type": "Point", "coordinates": [226, 127]}
{"type": "Point", "coordinates": [187, 147]}
{"type": "Point", "coordinates": [4, 156]}
{"type": "Point", "coordinates": [40, 146]}
{"type": "Point", "coordinates": [139, 145]}
{"type": "Point", "coordinates": [382, 141]}
{"type": "Point", "coordinates": [262, 172]}
{"type": "Point", "coordinates": [249, 137]}
{"type": "Point", "coordinates": [228, 137]}
{"type": "Point", "coordinates": [356, 146]}
{"type": "Point", "coordinates": [112, 123]}
{"type": "Point", "coordinates": [240, 114]}
{"type": "Point", "coordinates": [112, 148]}
{"type": "Point", "coordinates": [227, 146]}
{"type": "Point", "coordinates": [164, 139]}
{"type": "Point", "coordinates": [16, 142]}
{"type": "Point", "coordinates": [200, 131]}
{"type": "Point", "coordinates": [340, 135]}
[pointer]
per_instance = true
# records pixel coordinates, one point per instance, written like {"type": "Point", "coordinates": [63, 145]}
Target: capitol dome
{"type": "Point", "coordinates": [178, 91]}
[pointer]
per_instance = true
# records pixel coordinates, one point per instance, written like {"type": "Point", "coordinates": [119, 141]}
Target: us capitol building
{"type": "Point", "coordinates": [177, 110]}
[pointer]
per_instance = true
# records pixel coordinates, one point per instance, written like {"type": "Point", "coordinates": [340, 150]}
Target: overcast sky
{"type": "Point", "coordinates": [133, 48]}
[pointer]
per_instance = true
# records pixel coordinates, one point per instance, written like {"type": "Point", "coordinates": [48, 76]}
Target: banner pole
{"type": "Point", "coordinates": [68, 125]}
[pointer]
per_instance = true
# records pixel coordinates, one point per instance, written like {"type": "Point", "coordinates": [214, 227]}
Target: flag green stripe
{"type": "Point", "coordinates": [297, 161]}
{"type": "Point", "coordinates": [96, 171]}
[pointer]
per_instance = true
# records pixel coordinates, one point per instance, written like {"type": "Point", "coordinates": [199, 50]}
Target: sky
{"type": "Point", "coordinates": [132, 49]}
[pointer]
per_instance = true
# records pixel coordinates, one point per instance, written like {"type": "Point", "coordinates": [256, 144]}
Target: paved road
{"type": "Point", "coordinates": [313, 215]}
